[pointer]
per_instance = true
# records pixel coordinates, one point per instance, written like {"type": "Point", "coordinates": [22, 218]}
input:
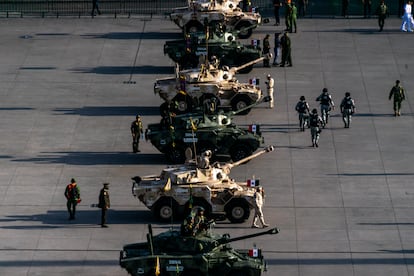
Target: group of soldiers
{"type": "Point", "coordinates": [347, 107]}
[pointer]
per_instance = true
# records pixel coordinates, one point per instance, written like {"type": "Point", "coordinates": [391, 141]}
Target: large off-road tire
{"type": "Point", "coordinates": [176, 154]}
{"type": "Point", "coordinates": [165, 209]}
{"type": "Point", "coordinates": [237, 210]}
{"type": "Point", "coordinates": [240, 151]}
{"type": "Point", "coordinates": [243, 31]}
{"type": "Point", "coordinates": [193, 27]}
{"type": "Point", "coordinates": [240, 102]}
{"type": "Point", "coordinates": [183, 104]}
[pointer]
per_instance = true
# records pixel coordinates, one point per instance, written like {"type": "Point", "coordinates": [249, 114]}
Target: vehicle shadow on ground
{"type": "Point", "coordinates": [136, 35]}
{"type": "Point", "coordinates": [364, 31]}
{"type": "Point", "coordinates": [84, 219]}
{"type": "Point", "coordinates": [95, 158]}
{"type": "Point", "coordinates": [110, 111]}
{"type": "Point", "coordinates": [126, 70]}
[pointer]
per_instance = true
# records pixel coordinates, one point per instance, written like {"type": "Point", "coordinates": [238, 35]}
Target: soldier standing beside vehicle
{"type": "Point", "coordinates": [266, 51]}
{"type": "Point", "coordinates": [136, 131]}
{"type": "Point", "coordinates": [72, 194]}
{"type": "Point", "coordinates": [288, 15]}
{"type": "Point", "coordinates": [270, 83]}
{"type": "Point", "coordinates": [258, 205]}
{"type": "Point", "coordinates": [302, 107]}
{"type": "Point", "coordinates": [104, 203]}
{"type": "Point", "coordinates": [398, 95]}
{"type": "Point", "coordinates": [347, 109]}
{"type": "Point", "coordinates": [327, 103]}
{"type": "Point", "coordinates": [314, 122]}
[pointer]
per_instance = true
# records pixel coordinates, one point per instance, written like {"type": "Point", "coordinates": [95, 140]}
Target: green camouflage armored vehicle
{"type": "Point", "coordinates": [187, 52]}
{"type": "Point", "coordinates": [171, 194]}
{"type": "Point", "coordinates": [191, 89]}
{"type": "Point", "coordinates": [227, 14]}
{"type": "Point", "coordinates": [213, 132]}
{"type": "Point", "coordinates": [171, 254]}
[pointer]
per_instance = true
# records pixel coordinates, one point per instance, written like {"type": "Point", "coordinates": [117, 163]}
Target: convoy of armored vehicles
{"type": "Point", "coordinates": [171, 253]}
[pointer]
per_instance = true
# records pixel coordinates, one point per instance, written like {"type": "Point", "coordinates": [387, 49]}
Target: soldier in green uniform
{"type": "Point", "coordinates": [72, 194]}
{"type": "Point", "coordinates": [104, 203]}
{"type": "Point", "coordinates": [136, 131]}
{"type": "Point", "coordinates": [293, 18]}
{"type": "Point", "coordinates": [382, 12]}
{"type": "Point", "coordinates": [288, 16]}
{"type": "Point", "coordinates": [397, 93]}
{"type": "Point", "coordinates": [286, 50]}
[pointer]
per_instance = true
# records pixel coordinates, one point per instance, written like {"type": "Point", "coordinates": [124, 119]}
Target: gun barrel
{"type": "Point", "coordinates": [248, 158]}
{"type": "Point", "coordinates": [271, 231]}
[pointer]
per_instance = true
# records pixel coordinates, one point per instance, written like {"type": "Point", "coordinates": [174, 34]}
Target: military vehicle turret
{"type": "Point", "coordinates": [193, 87]}
{"type": "Point", "coordinates": [170, 253]}
{"type": "Point", "coordinates": [214, 132]}
{"type": "Point", "coordinates": [187, 52]}
{"type": "Point", "coordinates": [172, 193]}
{"type": "Point", "coordinates": [225, 13]}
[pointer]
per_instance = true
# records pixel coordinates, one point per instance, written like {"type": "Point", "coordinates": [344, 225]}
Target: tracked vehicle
{"type": "Point", "coordinates": [178, 188]}
{"type": "Point", "coordinates": [170, 253]}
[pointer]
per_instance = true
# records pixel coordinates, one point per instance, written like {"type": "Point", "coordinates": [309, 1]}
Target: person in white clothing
{"type": "Point", "coordinates": [258, 205]}
{"type": "Point", "coordinates": [270, 83]}
{"type": "Point", "coordinates": [408, 21]}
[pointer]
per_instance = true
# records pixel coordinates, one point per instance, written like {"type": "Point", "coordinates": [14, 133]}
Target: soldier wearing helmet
{"type": "Point", "coordinates": [327, 104]}
{"type": "Point", "coordinates": [205, 159]}
{"type": "Point", "coordinates": [136, 130]}
{"type": "Point", "coordinates": [315, 121]}
{"type": "Point", "coordinates": [302, 107]}
{"type": "Point", "coordinates": [398, 95]}
{"type": "Point", "coordinates": [200, 221]}
{"type": "Point", "coordinates": [347, 109]}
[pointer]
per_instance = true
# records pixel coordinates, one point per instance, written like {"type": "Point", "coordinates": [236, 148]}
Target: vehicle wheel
{"type": "Point", "coordinates": [193, 27]}
{"type": "Point", "coordinates": [183, 104]}
{"type": "Point", "coordinates": [243, 31]}
{"type": "Point", "coordinates": [192, 272]}
{"type": "Point", "coordinates": [238, 210]}
{"type": "Point", "coordinates": [165, 209]}
{"type": "Point", "coordinates": [176, 154]}
{"type": "Point", "coordinates": [239, 152]}
{"type": "Point", "coordinates": [241, 102]}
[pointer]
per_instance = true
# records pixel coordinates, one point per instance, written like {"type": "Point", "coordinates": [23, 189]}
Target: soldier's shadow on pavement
{"type": "Point", "coordinates": [135, 35]}
{"type": "Point", "coordinates": [84, 219]}
{"type": "Point", "coordinates": [95, 158]}
{"type": "Point", "coordinates": [126, 70]}
{"type": "Point", "coordinates": [364, 31]}
{"type": "Point", "coordinates": [110, 111]}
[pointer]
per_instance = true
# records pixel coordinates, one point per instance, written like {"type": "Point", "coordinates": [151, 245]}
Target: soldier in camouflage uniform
{"type": "Point", "coordinates": [347, 109]}
{"type": "Point", "coordinates": [382, 12]}
{"type": "Point", "coordinates": [397, 93]}
{"type": "Point", "coordinates": [136, 131]}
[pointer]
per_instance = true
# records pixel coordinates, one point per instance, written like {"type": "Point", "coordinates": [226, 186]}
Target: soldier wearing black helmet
{"type": "Point", "coordinates": [136, 130]}
{"type": "Point", "coordinates": [347, 109]}
{"type": "Point", "coordinates": [398, 95]}
{"type": "Point", "coordinates": [200, 222]}
{"type": "Point", "coordinates": [327, 104]}
{"type": "Point", "coordinates": [315, 121]}
{"type": "Point", "coordinates": [302, 107]}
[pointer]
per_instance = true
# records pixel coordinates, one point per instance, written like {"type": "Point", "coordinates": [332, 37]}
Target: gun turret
{"type": "Point", "coordinates": [227, 167]}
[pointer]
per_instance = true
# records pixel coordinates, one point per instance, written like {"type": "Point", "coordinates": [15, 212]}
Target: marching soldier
{"type": "Point", "coordinates": [315, 122]}
{"type": "Point", "coordinates": [397, 93]}
{"type": "Point", "coordinates": [136, 130]}
{"type": "Point", "coordinates": [347, 109]}
{"type": "Point", "coordinates": [302, 107]}
{"type": "Point", "coordinates": [72, 194]}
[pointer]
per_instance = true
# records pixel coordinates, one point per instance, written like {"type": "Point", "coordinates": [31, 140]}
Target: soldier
{"type": "Point", "coordinates": [72, 194]}
{"type": "Point", "coordinates": [314, 122]}
{"type": "Point", "coordinates": [104, 203]}
{"type": "Point", "coordinates": [345, 5]}
{"type": "Point", "coordinates": [347, 109]}
{"type": "Point", "coordinates": [205, 159]}
{"type": "Point", "coordinates": [136, 131]}
{"type": "Point", "coordinates": [200, 222]}
{"type": "Point", "coordinates": [258, 205]}
{"type": "Point", "coordinates": [276, 49]}
{"type": "Point", "coordinates": [367, 8]}
{"type": "Point", "coordinates": [302, 7]}
{"type": "Point", "coordinates": [266, 50]}
{"type": "Point", "coordinates": [270, 83]}
{"type": "Point", "coordinates": [327, 103]}
{"type": "Point", "coordinates": [276, 5]}
{"type": "Point", "coordinates": [382, 12]}
{"type": "Point", "coordinates": [293, 17]}
{"type": "Point", "coordinates": [302, 107]}
{"type": "Point", "coordinates": [95, 6]}
{"type": "Point", "coordinates": [288, 15]}
{"type": "Point", "coordinates": [398, 94]}
{"type": "Point", "coordinates": [286, 50]}
{"type": "Point", "coordinates": [187, 226]}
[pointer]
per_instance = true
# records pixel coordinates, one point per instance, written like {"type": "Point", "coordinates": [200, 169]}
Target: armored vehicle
{"type": "Point", "coordinates": [227, 14]}
{"type": "Point", "coordinates": [187, 52]}
{"type": "Point", "coordinates": [171, 253]}
{"type": "Point", "coordinates": [214, 132]}
{"type": "Point", "coordinates": [193, 87]}
{"type": "Point", "coordinates": [171, 194]}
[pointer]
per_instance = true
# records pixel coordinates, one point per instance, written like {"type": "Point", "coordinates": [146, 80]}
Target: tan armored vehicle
{"type": "Point", "coordinates": [179, 188]}
{"type": "Point", "coordinates": [193, 87]}
{"type": "Point", "coordinates": [225, 13]}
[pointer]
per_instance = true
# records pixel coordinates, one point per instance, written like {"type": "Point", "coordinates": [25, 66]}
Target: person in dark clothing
{"type": "Point", "coordinates": [95, 6]}
{"type": "Point", "coordinates": [302, 5]}
{"type": "Point", "coordinates": [276, 9]}
{"type": "Point", "coordinates": [136, 131]}
{"type": "Point", "coordinates": [72, 194]}
{"type": "Point", "coordinates": [367, 8]}
{"type": "Point", "coordinates": [345, 5]}
{"type": "Point", "coordinates": [104, 203]}
{"type": "Point", "coordinates": [286, 50]}
{"type": "Point", "coordinates": [382, 12]}
{"type": "Point", "coordinates": [397, 93]}
{"type": "Point", "coordinates": [266, 50]}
